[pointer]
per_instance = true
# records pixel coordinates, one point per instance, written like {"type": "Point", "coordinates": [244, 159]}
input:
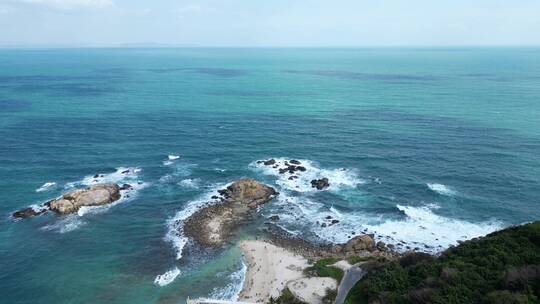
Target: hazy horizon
{"type": "Point", "coordinates": [242, 23]}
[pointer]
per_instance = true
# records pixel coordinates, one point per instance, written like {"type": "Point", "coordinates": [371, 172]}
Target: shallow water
{"type": "Point", "coordinates": [420, 145]}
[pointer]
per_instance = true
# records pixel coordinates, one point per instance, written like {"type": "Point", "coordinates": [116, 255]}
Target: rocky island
{"type": "Point", "coordinates": [72, 201]}
{"type": "Point", "coordinates": [213, 225]}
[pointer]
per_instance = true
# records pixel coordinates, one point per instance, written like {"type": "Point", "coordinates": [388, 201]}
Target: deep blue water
{"type": "Point", "coordinates": [427, 146]}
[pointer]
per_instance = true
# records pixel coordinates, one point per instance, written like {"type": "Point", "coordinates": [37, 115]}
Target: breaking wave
{"type": "Point", "coordinates": [167, 278]}
{"type": "Point", "coordinates": [231, 291]}
{"type": "Point", "coordinates": [175, 226]}
{"type": "Point", "coordinates": [441, 189]}
{"type": "Point", "coordinates": [45, 187]}
{"type": "Point", "coordinates": [300, 181]}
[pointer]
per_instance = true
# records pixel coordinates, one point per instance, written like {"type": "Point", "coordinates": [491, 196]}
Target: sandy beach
{"type": "Point", "coordinates": [272, 268]}
{"type": "Point", "coordinates": [269, 269]}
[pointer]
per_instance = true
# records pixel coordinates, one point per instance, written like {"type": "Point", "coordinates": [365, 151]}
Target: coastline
{"type": "Point", "coordinates": [269, 269]}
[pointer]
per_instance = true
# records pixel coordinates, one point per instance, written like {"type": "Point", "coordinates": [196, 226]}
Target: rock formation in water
{"type": "Point", "coordinates": [213, 225]}
{"type": "Point", "coordinates": [72, 201]}
{"type": "Point", "coordinates": [96, 195]}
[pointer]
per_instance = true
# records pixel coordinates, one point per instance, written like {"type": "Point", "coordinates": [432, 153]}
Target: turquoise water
{"type": "Point", "coordinates": [425, 146]}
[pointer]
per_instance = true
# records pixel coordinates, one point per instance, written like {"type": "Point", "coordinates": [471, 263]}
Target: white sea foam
{"type": "Point", "coordinates": [190, 183]}
{"type": "Point", "coordinates": [441, 189]}
{"type": "Point", "coordinates": [231, 292]}
{"type": "Point", "coordinates": [175, 232]}
{"type": "Point", "coordinates": [420, 227]}
{"type": "Point", "coordinates": [47, 186]}
{"type": "Point", "coordinates": [65, 224]}
{"type": "Point", "coordinates": [339, 178]}
{"type": "Point", "coordinates": [425, 227]}
{"type": "Point", "coordinates": [179, 170]}
{"type": "Point", "coordinates": [170, 160]}
{"type": "Point", "coordinates": [167, 278]}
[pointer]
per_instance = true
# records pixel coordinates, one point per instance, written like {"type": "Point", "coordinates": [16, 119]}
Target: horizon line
{"type": "Point", "coordinates": [180, 46]}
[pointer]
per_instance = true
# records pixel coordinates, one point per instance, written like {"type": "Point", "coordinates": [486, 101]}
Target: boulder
{"type": "Point", "coordinates": [28, 212]}
{"type": "Point", "coordinates": [96, 195]}
{"type": "Point", "coordinates": [249, 192]}
{"type": "Point", "coordinates": [320, 184]}
{"type": "Point", "coordinates": [269, 162]}
{"type": "Point", "coordinates": [126, 187]}
{"type": "Point", "coordinates": [274, 218]}
{"type": "Point", "coordinates": [360, 243]}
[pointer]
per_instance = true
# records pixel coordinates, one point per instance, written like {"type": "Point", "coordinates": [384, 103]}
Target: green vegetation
{"type": "Point", "coordinates": [503, 267]}
{"type": "Point", "coordinates": [286, 298]}
{"type": "Point", "coordinates": [330, 296]}
{"type": "Point", "coordinates": [321, 269]}
{"type": "Point", "coordinates": [357, 259]}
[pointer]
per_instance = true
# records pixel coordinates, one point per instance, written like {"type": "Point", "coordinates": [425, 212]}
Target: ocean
{"type": "Point", "coordinates": [424, 147]}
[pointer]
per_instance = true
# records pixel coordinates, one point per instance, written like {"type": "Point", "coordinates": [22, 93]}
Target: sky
{"type": "Point", "coordinates": [273, 23]}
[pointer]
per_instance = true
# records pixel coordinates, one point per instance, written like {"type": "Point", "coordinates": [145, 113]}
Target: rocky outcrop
{"type": "Point", "coordinates": [320, 184]}
{"type": "Point", "coordinates": [72, 201]}
{"type": "Point", "coordinates": [213, 225]}
{"type": "Point", "coordinates": [96, 195]}
{"type": "Point", "coordinates": [28, 212]}
{"type": "Point", "coordinates": [359, 244]}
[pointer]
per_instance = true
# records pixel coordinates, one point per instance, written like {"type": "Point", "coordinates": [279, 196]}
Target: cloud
{"type": "Point", "coordinates": [70, 4]}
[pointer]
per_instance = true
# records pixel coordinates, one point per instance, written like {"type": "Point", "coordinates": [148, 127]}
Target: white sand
{"type": "Point", "coordinates": [272, 268]}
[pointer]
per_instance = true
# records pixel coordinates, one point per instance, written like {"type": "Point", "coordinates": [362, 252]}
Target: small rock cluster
{"type": "Point", "coordinates": [292, 167]}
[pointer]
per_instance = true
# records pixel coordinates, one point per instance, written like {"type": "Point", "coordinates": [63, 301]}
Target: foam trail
{"type": "Point", "coordinates": [441, 189]}
{"type": "Point", "coordinates": [65, 224]}
{"type": "Point", "coordinates": [231, 292]}
{"type": "Point", "coordinates": [420, 227]}
{"type": "Point", "coordinates": [339, 178]}
{"type": "Point", "coordinates": [167, 278]}
{"type": "Point", "coordinates": [190, 183]}
{"type": "Point", "coordinates": [47, 186]}
{"type": "Point", "coordinates": [175, 232]}
{"type": "Point", "coordinates": [173, 157]}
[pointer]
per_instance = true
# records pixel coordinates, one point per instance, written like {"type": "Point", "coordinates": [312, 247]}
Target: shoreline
{"type": "Point", "coordinates": [272, 269]}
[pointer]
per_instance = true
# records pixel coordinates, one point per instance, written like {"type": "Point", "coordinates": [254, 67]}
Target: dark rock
{"type": "Point", "coordinates": [96, 176]}
{"type": "Point", "coordinates": [301, 168]}
{"type": "Point", "coordinates": [125, 171]}
{"type": "Point", "coordinates": [214, 197]}
{"type": "Point", "coordinates": [294, 162]}
{"type": "Point", "coordinates": [381, 246]}
{"type": "Point", "coordinates": [320, 183]}
{"type": "Point", "coordinates": [323, 225]}
{"type": "Point", "coordinates": [269, 162]}
{"type": "Point", "coordinates": [274, 218]}
{"type": "Point", "coordinates": [27, 212]}
{"type": "Point", "coordinates": [126, 187]}
{"type": "Point", "coordinates": [335, 222]}
{"type": "Point", "coordinates": [328, 217]}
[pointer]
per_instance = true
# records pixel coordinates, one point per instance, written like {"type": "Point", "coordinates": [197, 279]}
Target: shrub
{"type": "Point", "coordinates": [502, 267]}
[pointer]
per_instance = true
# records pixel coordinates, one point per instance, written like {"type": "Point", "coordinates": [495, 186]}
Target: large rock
{"type": "Point", "coordinates": [96, 195]}
{"type": "Point", "coordinates": [359, 244]}
{"type": "Point", "coordinates": [249, 192]}
{"type": "Point", "coordinates": [213, 225]}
